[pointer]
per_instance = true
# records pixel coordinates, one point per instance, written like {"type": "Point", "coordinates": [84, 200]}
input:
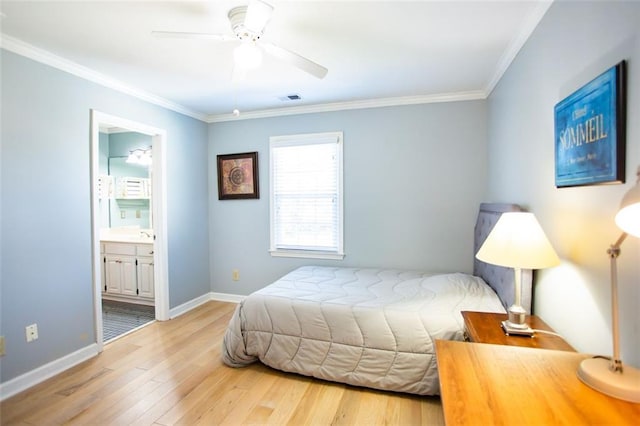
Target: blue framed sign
{"type": "Point", "coordinates": [590, 128]}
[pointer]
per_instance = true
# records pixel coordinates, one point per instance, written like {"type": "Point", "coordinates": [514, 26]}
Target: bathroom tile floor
{"type": "Point", "coordinates": [119, 318]}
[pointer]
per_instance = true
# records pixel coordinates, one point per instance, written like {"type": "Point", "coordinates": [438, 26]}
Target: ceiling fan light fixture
{"type": "Point", "coordinates": [247, 56]}
{"type": "Point", "coordinates": [248, 24]}
{"type": "Point", "coordinates": [237, 17]}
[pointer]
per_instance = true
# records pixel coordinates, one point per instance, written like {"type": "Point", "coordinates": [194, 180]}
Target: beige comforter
{"type": "Point", "coordinates": [364, 327]}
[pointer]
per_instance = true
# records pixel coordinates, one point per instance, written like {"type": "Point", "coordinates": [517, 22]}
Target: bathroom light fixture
{"type": "Point", "coordinates": [604, 374]}
{"type": "Point", "coordinates": [140, 156]}
{"type": "Point", "coordinates": [517, 241]}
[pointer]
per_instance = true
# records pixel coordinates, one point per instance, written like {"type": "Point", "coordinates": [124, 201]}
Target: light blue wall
{"type": "Point", "coordinates": [413, 179]}
{"type": "Point", "coordinates": [575, 42]}
{"type": "Point", "coordinates": [46, 215]}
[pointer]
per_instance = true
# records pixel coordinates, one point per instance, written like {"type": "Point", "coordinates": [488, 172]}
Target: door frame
{"type": "Point", "coordinates": [158, 211]}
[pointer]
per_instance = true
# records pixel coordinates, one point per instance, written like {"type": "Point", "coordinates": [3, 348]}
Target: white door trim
{"type": "Point", "coordinates": [159, 209]}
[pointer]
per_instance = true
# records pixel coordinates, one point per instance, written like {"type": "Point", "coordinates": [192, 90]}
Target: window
{"type": "Point", "coordinates": [306, 195]}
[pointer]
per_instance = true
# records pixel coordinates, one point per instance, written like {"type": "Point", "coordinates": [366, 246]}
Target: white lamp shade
{"type": "Point", "coordinates": [518, 241]}
{"type": "Point", "coordinates": [628, 218]}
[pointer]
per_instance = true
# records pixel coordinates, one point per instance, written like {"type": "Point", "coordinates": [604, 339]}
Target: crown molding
{"type": "Point", "coordinates": [342, 106]}
{"type": "Point", "coordinates": [40, 55]}
{"type": "Point", "coordinates": [530, 24]}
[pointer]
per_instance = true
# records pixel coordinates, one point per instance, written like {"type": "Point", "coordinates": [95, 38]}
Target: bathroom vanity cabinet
{"type": "Point", "coordinates": [127, 272]}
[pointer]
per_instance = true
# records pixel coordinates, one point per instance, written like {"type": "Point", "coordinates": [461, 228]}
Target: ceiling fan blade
{"type": "Point", "coordinates": [258, 14]}
{"type": "Point", "coordinates": [204, 36]}
{"type": "Point", "coordinates": [296, 60]}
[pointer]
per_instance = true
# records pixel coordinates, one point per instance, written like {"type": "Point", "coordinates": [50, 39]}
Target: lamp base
{"type": "Point", "coordinates": [516, 329]}
{"type": "Point", "coordinates": [625, 385]}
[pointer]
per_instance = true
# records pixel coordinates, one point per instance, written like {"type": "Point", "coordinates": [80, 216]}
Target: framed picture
{"type": "Point", "coordinates": [590, 126]}
{"type": "Point", "coordinates": [238, 176]}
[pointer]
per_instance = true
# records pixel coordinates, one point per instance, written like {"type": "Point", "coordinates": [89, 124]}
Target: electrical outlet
{"type": "Point", "coordinates": [31, 332]}
{"type": "Point", "coordinates": [123, 214]}
{"type": "Point", "coordinates": [2, 349]}
{"type": "Point", "coordinates": [235, 275]}
{"type": "Point", "coordinates": [138, 214]}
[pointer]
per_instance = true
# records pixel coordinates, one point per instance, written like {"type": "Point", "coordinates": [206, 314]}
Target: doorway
{"type": "Point", "coordinates": [156, 211]}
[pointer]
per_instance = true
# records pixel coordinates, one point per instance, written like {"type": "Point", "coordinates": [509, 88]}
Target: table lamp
{"type": "Point", "coordinates": [604, 374]}
{"type": "Point", "coordinates": [517, 241]}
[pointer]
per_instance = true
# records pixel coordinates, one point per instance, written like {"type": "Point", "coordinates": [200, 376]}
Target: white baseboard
{"type": "Point", "coordinates": [225, 297]}
{"type": "Point", "coordinates": [186, 307]}
{"type": "Point", "coordinates": [194, 303]}
{"type": "Point", "coordinates": [40, 374]}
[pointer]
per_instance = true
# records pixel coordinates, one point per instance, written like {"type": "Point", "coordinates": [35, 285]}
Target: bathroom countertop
{"type": "Point", "coordinates": [134, 236]}
{"type": "Point", "coordinates": [127, 239]}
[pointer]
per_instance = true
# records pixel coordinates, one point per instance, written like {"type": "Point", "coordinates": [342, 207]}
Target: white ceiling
{"type": "Point", "coordinates": [377, 52]}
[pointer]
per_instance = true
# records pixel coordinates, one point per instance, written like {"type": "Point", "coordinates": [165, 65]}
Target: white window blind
{"type": "Point", "coordinates": [306, 195]}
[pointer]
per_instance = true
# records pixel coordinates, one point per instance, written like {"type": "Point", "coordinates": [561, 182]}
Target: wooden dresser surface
{"type": "Point", "coordinates": [484, 384]}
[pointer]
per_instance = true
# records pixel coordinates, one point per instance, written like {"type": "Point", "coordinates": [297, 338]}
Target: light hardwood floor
{"type": "Point", "coordinates": [171, 373]}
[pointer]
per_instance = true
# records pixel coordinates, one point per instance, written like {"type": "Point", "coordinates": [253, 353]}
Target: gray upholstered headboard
{"type": "Point", "coordinates": [499, 277]}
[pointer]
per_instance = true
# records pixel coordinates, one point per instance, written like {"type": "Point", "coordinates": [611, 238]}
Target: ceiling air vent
{"type": "Point", "coordinates": [289, 98]}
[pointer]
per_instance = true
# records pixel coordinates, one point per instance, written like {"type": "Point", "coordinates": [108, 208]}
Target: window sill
{"type": "Point", "coordinates": [307, 254]}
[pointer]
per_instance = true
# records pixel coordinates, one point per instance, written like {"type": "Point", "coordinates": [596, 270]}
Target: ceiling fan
{"type": "Point", "coordinates": [248, 24]}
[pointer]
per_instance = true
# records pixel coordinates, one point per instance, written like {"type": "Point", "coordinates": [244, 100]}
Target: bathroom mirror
{"type": "Point", "coordinates": [125, 199]}
{"type": "Point", "coordinates": [129, 209]}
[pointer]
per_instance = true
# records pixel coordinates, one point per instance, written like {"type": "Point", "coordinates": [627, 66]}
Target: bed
{"type": "Point", "coordinates": [365, 326]}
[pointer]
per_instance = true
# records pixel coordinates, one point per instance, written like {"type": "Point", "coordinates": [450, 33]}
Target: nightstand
{"type": "Point", "coordinates": [484, 327]}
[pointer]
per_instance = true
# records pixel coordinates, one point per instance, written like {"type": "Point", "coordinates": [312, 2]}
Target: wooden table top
{"type": "Point", "coordinates": [484, 384]}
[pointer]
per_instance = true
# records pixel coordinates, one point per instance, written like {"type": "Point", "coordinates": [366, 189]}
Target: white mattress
{"type": "Point", "coordinates": [364, 327]}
